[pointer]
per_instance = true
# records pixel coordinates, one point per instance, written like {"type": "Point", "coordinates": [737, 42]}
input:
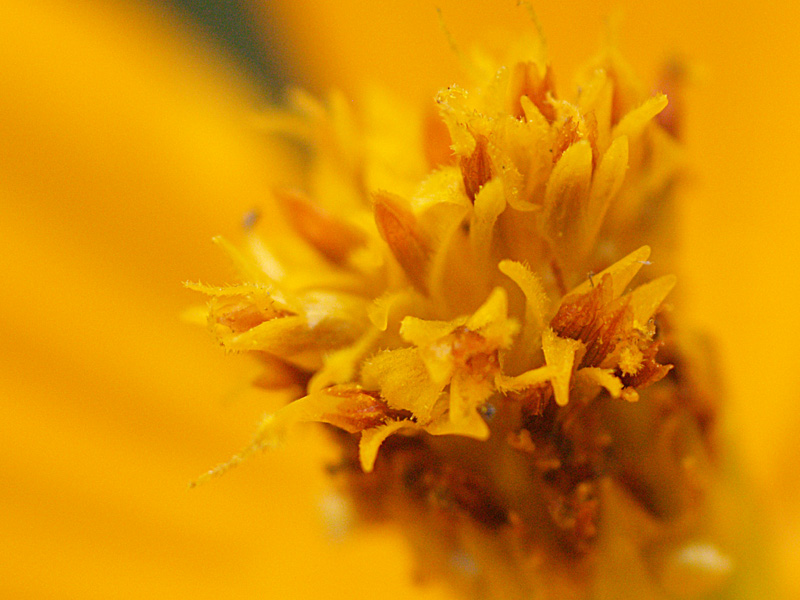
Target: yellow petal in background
{"type": "Point", "coordinates": [634, 122]}
{"type": "Point", "coordinates": [124, 147]}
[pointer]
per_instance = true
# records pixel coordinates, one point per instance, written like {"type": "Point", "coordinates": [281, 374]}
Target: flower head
{"type": "Point", "coordinates": [452, 292]}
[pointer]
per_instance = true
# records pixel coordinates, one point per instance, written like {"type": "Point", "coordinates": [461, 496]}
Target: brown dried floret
{"type": "Point", "coordinates": [606, 327]}
{"type": "Point", "coordinates": [360, 409]}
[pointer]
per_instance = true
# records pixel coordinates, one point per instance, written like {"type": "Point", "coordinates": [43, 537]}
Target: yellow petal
{"type": "Point", "coordinates": [391, 127]}
{"type": "Point", "coordinates": [265, 295]}
{"type": "Point", "coordinates": [566, 195]}
{"type": "Point", "coordinates": [265, 259]}
{"type": "Point", "coordinates": [494, 310]}
{"type": "Point", "coordinates": [340, 366]}
{"type": "Point", "coordinates": [646, 299]}
{"type": "Point", "coordinates": [457, 285]}
{"type": "Point", "coordinates": [443, 186]}
{"type": "Point", "coordinates": [341, 315]}
{"type": "Point", "coordinates": [381, 310]}
{"type": "Point", "coordinates": [526, 380]}
{"type": "Point", "coordinates": [286, 337]}
{"type": "Point", "coordinates": [346, 407]}
{"type": "Point", "coordinates": [247, 268]}
{"type": "Point", "coordinates": [262, 292]}
{"type": "Point", "coordinates": [604, 378]}
{"type": "Point", "coordinates": [607, 180]}
{"type": "Point", "coordinates": [404, 381]}
{"type": "Point", "coordinates": [622, 272]}
{"type": "Point", "coordinates": [471, 425]}
{"type": "Point", "coordinates": [371, 441]}
{"type": "Point", "coordinates": [596, 97]}
{"type": "Point", "coordinates": [635, 121]}
{"type": "Point", "coordinates": [458, 115]}
{"type": "Point", "coordinates": [490, 202]}
{"type": "Point", "coordinates": [522, 154]}
{"type": "Point", "coordinates": [536, 300]}
{"type": "Point", "coordinates": [423, 332]}
{"type": "Point", "coordinates": [559, 353]}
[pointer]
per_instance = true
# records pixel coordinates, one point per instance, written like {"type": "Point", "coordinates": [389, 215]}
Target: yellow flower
{"type": "Point", "coordinates": [451, 291]}
{"type": "Point", "coordinates": [126, 144]}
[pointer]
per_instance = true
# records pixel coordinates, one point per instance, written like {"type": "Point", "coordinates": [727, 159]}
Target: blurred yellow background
{"type": "Point", "coordinates": [126, 144]}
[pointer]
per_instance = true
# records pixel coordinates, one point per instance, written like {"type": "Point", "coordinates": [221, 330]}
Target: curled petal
{"type": "Point", "coordinates": [470, 425]}
{"type": "Point", "coordinates": [635, 121]}
{"type": "Point", "coordinates": [604, 378]}
{"type": "Point", "coordinates": [288, 338]}
{"type": "Point", "coordinates": [559, 353]}
{"type": "Point", "coordinates": [372, 439]}
{"type": "Point", "coordinates": [493, 311]}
